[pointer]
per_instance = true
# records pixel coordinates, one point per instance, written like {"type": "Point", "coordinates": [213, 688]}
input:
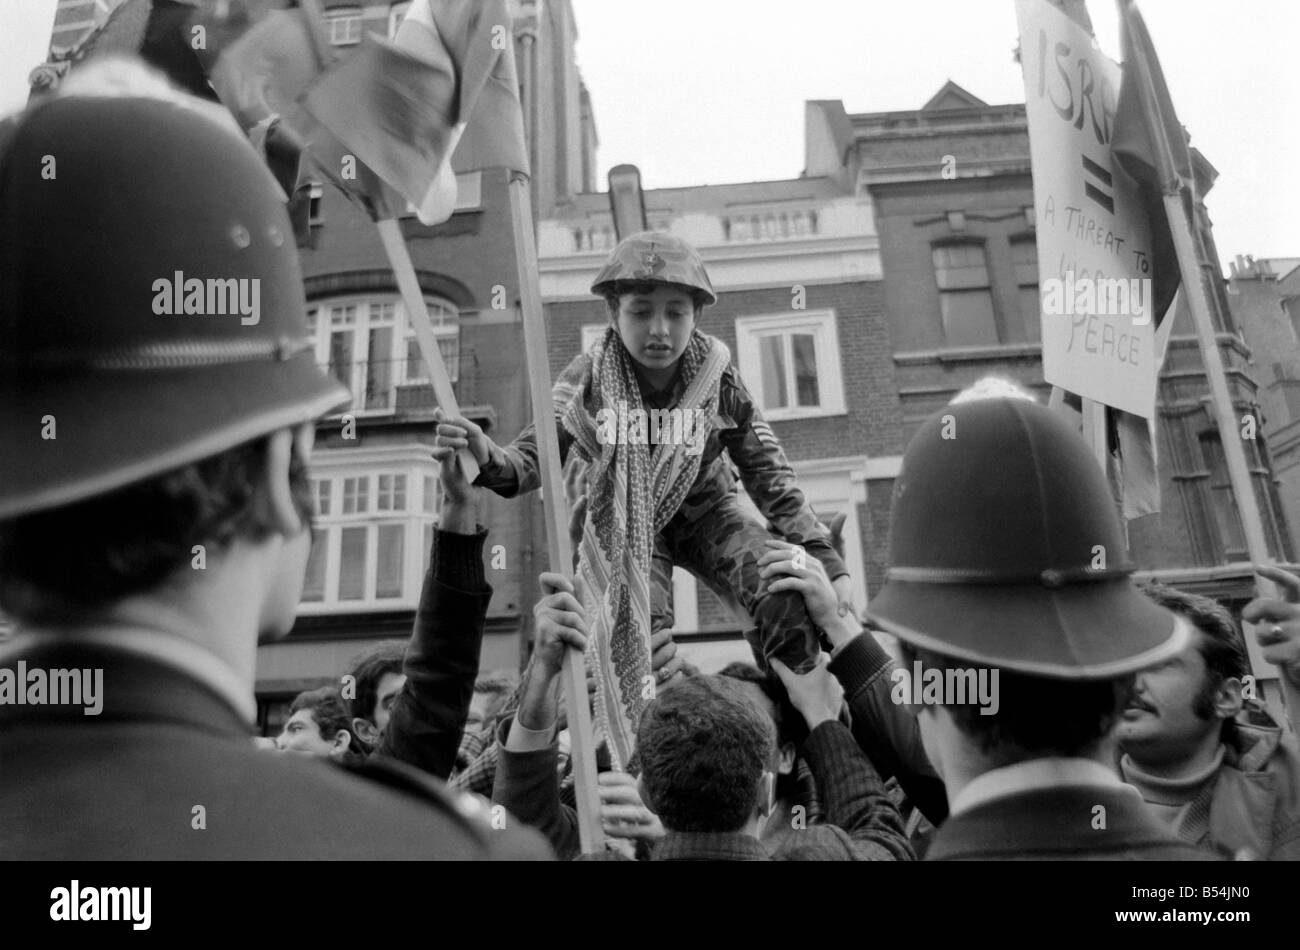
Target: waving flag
{"type": "Point", "coordinates": [443, 98]}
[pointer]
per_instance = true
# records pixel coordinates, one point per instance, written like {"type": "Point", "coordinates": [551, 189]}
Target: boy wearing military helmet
{"type": "Point", "coordinates": [644, 501]}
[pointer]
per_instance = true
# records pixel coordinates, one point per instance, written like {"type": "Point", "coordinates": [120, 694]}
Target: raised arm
{"type": "Point", "coordinates": [442, 658]}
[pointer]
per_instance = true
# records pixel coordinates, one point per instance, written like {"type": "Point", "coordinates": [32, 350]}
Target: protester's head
{"type": "Point", "coordinates": [655, 287]}
{"type": "Point", "coordinates": [158, 388]}
{"type": "Point", "coordinates": [706, 754]}
{"type": "Point", "coordinates": [767, 693]}
{"type": "Point", "coordinates": [1008, 580]}
{"type": "Point", "coordinates": [374, 681]}
{"type": "Point", "coordinates": [491, 690]}
{"type": "Point", "coordinates": [317, 725]}
{"type": "Point", "coordinates": [1188, 702]}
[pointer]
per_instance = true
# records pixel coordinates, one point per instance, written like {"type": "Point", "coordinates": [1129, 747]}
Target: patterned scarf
{"type": "Point", "coordinates": [632, 492]}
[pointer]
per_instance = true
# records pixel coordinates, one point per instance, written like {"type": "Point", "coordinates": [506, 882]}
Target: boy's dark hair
{"type": "Point", "coordinates": [1037, 717]}
{"type": "Point", "coordinates": [1220, 643]}
{"type": "Point", "coordinates": [68, 562]}
{"type": "Point", "coordinates": [617, 289]}
{"type": "Point", "coordinates": [327, 708]}
{"type": "Point", "coordinates": [703, 747]}
{"type": "Point", "coordinates": [368, 669]}
{"type": "Point", "coordinates": [790, 726]}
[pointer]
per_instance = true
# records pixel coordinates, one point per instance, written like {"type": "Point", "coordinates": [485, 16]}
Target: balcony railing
{"type": "Point", "coordinates": [389, 385]}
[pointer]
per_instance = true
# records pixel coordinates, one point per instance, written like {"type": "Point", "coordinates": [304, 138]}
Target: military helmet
{"type": "Point", "coordinates": [1006, 549]}
{"type": "Point", "coordinates": [656, 257]}
{"type": "Point", "coordinates": [151, 302]}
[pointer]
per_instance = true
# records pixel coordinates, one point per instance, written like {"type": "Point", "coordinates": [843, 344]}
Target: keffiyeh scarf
{"type": "Point", "coordinates": [632, 490]}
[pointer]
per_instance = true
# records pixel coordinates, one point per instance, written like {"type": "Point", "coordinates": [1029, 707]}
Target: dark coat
{"type": "Point", "coordinates": [126, 784]}
{"type": "Point", "coordinates": [1057, 824]}
{"type": "Point", "coordinates": [428, 715]}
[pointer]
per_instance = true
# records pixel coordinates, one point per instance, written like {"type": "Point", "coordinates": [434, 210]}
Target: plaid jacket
{"type": "Point", "coordinates": [862, 823]}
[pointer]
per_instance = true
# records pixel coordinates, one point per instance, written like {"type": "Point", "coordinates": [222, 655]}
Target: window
{"type": "Point", "coordinates": [1024, 259]}
{"type": "Point", "coordinates": [1232, 537]}
{"type": "Point", "coordinates": [323, 497]}
{"type": "Point", "coordinates": [965, 299]}
{"type": "Point", "coordinates": [313, 586]}
{"type": "Point", "coordinates": [392, 493]}
{"type": "Point", "coordinates": [362, 554]}
{"type": "Point", "coordinates": [344, 26]}
{"type": "Point", "coordinates": [355, 492]}
{"type": "Point", "coordinates": [446, 332]}
{"type": "Point", "coordinates": [396, 14]}
{"type": "Point", "coordinates": [352, 570]}
{"type": "Point", "coordinates": [388, 565]}
{"type": "Point", "coordinates": [315, 213]}
{"type": "Point", "coordinates": [769, 225]}
{"type": "Point", "coordinates": [791, 362]}
{"type": "Point", "coordinates": [367, 346]}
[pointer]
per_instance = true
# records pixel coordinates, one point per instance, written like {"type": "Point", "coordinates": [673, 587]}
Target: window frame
{"type": "Point", "coordinates": [415, 516]}
{"type": "Point", "coordinates": [348, 16]}
{"type": "Point", "coordinates": [999, 331]}
{"type": "Point", "coordinates": [824, 327]}
{"type": "Point", "coordinates": [320, 315]}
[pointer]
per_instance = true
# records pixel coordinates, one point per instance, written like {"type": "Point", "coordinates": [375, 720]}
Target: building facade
{"type": "Point", "coordinates": [375, 481]}
{"type": "Point", "coordinates": [1265, 297]}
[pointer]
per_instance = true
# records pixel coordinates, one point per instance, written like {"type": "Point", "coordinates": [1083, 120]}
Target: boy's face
{"type": "Point", "coordinates": [656, 325]}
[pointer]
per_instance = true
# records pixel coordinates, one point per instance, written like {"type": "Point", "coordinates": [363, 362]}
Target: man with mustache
{"type": "Point", "coordinates": [1210, 761]}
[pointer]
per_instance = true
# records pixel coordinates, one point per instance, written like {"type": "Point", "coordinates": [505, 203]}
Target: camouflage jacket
{"type": "Point", "coordinates": [738, 438]}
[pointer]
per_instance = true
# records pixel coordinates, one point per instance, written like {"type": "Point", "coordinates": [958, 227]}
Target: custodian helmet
{"type": "Point", "coordinates": [1006, 550]}
{"type": "Point", "coordinates": [114, 210]}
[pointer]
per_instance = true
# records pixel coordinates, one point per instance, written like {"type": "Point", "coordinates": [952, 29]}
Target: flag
{"type": "Point", "coordinates": [442, 98]}
{"type": "Point", "coordinates": [1149, 144]}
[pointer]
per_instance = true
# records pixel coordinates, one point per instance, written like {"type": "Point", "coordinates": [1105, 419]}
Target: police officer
{"type": "Point", "coordinates": [159, 394]}
{"type": "Point", "coordinates": [1021, 630]}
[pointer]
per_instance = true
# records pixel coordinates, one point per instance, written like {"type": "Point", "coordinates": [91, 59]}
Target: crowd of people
{"type": "Point", "coordinates": [1054, 709]}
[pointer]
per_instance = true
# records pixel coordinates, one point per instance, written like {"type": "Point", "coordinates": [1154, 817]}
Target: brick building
{"type": "Point", "coordinates": [801, 307]}
{"type": "Point", "coordinates": [376, 484]}
{"type": "Point", "coordinates": [952, 191]}
{"type": "Point", "coordinates": [1265, 297]}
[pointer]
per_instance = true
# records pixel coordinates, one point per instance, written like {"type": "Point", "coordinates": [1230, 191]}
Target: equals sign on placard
{"type": "Point", "coordinates": [1102, 196]}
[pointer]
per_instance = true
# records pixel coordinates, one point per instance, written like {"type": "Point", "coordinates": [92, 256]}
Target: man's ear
{"type": "Point", "coordinates": [342, 739]}
{"type": "Point", "coordinates": [365, 731]}
{"type": "Point", "coordinates": [276, 508]}
{"type": "Point", "coordinates": [1227, 698]}
{"type": "Point", "coordinates": [788, 756]}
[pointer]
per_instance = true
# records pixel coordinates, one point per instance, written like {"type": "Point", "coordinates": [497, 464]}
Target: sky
{"type": "Point", "coordinates": [712, 91]}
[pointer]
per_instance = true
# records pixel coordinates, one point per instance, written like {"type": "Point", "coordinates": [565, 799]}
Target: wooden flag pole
{"type": "Point", "coordinates": [417, 313]}
{"type": "Point", "coordinates": [1094, 433]}
{"type": "Point", "coordinates": [559, 547]}
{"type": "Point", "coordinates": [1176, 190]}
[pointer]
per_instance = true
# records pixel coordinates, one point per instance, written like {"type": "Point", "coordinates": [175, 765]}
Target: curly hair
{"type": "Point", "coordinates": [703, 746]}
